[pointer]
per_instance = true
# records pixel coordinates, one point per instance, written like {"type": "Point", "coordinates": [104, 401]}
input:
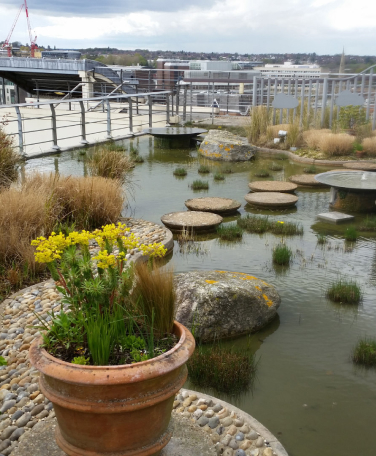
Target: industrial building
{"type": "Point", "coordinates": [61, 54]}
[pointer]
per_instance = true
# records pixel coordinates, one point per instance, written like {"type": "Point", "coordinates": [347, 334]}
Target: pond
{"type": "Point", "coordinates": [307, 391]}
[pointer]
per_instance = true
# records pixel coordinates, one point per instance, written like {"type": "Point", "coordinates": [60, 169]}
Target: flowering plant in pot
{"type": "Point", "coordinates": [113, 358]}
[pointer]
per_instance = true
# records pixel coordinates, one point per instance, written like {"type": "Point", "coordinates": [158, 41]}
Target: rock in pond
{"type": "Point", "coordinates": [221, 304]}
{"type": "Point", "coordinates": [225, 146]}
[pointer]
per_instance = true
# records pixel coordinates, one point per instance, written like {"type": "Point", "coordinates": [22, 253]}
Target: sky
{"type": "Point", "coordinates": [243, 26]}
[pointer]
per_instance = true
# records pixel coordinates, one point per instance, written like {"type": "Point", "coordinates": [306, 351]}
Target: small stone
{"type": "Point", "coordinates": [34, 395]}
{"type": "Point", "coordinates": [17, 415]}
{"type": "Point", "coordinates": [228, 452]}
{"type": "Point", "coordinates": [17, 434]}
{"type": "Point", "coordinates": [203, 421]}
{"type": "Point", "coordinates": [5, 423]}
{"type": "Point", "coordinates": [233, 444]}
{"type": "Point", "coordinates": [203, 407]}
{"type": "Point", "coordinates": [187, 402]}
{"type": "Point", "coordinates": [239, 422]}
{"type": "Point", "coordinates": [193, 397]}
{"type": "Point", "coordinates": [7, 405]}
{"type": "Point", "coordinates": [192, 408]}
{"type": "Point", "coordinates": [49, 406]}
{"type": "Point", "coordinates": [42, 414]}
{"type": "Point", "coordinates": [176, 403]}
{"type": "Point", "coordinates": [37, 409]}
{"type": "Point", "coordinates": [23, 420]}
{"type": "Point", "coordinates": [31, 424]}
{"type": "Point", "coordinates": [240, 452]}
{"type": "Point", "coordinates": [252, 435]}
{"type": "Point", "coordinates": [209, 413]}
{"type": "Point", "coordinates": [4, 444]}
{"type": "Point", "coordinates": [260, 442]}
{"type": "Point", "coordinates": [180, 409]}
{"type": "Point", "coordinates": [220, 430]}
{"type": "Point", "coordinates": [224, 412]}
{"type": "Point", "coordinates": [213, 422]}
{"type": "Point", "coordinates": [244, 429]}
{"type": "Point", "coordinates": [268, 452]}
{"type": "Point", "coordinates": [186, 414]}
{"type": "Point", "coordinates": [217, 408]}
{"type": "Point", "coordinates": [245, 444]}
{"type": "Point", "coordinates": [207, 429]}
{"type": "Point", "coordinates": [219, 448]}
{"type": "Point", "coordinates": [226, 421]}
{"type": "Point", "coordinates": [39, 399]}
{"type": "Point", "coordinates": [197, 414]}
{"type": "Point", "coordinates": [226, 439]}
{"type": "Point", "coordinates": [215, 437]}
{"type": "Point", "coordinates": [232, 430]}
{"type": "Point", "coordinates": [185, 394]}
{"type": "Point", "coordinates": [8, 432]}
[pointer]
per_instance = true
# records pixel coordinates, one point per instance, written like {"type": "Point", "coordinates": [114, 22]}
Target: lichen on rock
{"type": "Point", "coordinates": [225, 146]}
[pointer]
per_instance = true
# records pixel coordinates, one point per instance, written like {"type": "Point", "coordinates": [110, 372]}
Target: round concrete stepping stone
{"type": "Point", "coordinates": [191, 220]}
{"type": "Point", "coordinates": [271, 199]}
{"type": "Point", "coordinates": [361, 166]}
{"type": "Point", "coordinates": [272, 186]}
{"type": "Point", "coordinates": [306, 180]}
{"type": "Point", "coordinates": [213, 204]}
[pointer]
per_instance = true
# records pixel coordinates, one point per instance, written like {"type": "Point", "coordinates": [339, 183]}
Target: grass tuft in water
{"type": "Point", "coordinates": [180, 172]}
{"type": "Point", "coordinates": [321, 238]}
{"type": "Point", "coordinates": [311, 169]}
{"type": "Point", "coordinates": [262, 224]}
{"type": "Point", "coordinates": [226, 169]}
{"type": "Point", "coordinates": [351, 234]}
{"type": "Point", "coordinates": [203, 169]}
{"type": "Point", "coordinates": [282, 254]}
{"type": "Point", "coordinates": [230, 371]}
{"type": "Point", "coordinates": [345, 291]}
{"type": "Point", "coordinates": [364, 352]}
{"type": "Point", "coordinates": [138, 159]}
{"type": "Point", "coordinates": [219, 177]}
{"type": "Point", "coordinates": [369, 224]}
{"type": "Point", "coordinates": [200, 185]}
{"type": "Point", "coordinates": [275, 167]}
{"type": "Point", "coordinates": [231, 232]}
{"type": "Point", "coordinates": [262, 173]}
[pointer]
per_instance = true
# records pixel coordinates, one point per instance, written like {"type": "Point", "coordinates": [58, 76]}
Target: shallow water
{"type": "Point", "coordinates": [307, 392]}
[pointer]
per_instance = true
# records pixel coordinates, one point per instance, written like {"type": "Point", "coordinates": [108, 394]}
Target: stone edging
{"type": "Point", "coordinates": [270, 445]}
{"type": "Point", "coordinates": [310, 161]}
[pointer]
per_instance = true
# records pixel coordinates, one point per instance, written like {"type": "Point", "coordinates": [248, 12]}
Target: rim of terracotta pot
{"type": "Point", "coordinates": [112, 375]}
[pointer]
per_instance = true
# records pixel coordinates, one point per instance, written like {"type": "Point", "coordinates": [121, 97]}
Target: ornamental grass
{"type": "Point", "coordinates": [9, 160]}
{"type": "Point", "coordinates": [336, 144]}
{"type": "Point", "coordinates": [369, 146]}
{"type": "Point", "coordinates": [364, 352]}
{"type": "Point", "coordinates": [313, 137]}
{"type": "Point", "coordinates": [224, 369]}
{"type": "Point", "coordinates": [110, 163]}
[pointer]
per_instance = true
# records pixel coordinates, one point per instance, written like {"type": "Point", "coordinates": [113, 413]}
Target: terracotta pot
{"type": "Point", "coordinates": [114, 410]}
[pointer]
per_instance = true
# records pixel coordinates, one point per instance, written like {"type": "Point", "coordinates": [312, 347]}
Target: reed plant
{"type": "Point", "coordinates": [260, 119]}
{"type": "Point", "coordinates": [203, 169]}
{"type": "Point", "coordinates": [293, 138]}
{"type": "Point", "coordinates": [351, 233]}
{"type": "Point", "coordinates": [225, 369]}
{"type": "Point", "coordinates": [181, 172]}
{"type": "Point", "coordinates": [218, 176]}
{"type": "Point", "coordinates": [200, 185]}
{"type": "Point", "coordinates": [275, 167]}
{"type": "Point", "coordinates": [344, 291]}
{"type": "Point", "coordinates": [230, 232]}
{"type": "Point", "coordinates": [364, 352]}
{"type": "Point", "coordinates": [262, 173]}
{"type": "Point", "coordinates": [10, 160]}
{"type": "Point", "coordinates": [282, 254]}
{"type": "Point", "coordinates": [112, 164]}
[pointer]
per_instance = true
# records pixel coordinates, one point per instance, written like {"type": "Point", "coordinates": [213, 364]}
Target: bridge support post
{"type": "Point", "coordinates": [83, 124]}
{"type": "Point", "coordinates": [54, 127]}
{"type": "Point", "coordinates": [109, 136]}
{"type": "Point", "coordinates": [88, 88]}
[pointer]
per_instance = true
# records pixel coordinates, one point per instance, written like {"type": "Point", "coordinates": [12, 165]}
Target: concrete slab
{"type": "Point", "coordinates": [335, 217]}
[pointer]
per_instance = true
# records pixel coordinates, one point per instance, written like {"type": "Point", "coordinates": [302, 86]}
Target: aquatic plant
{"type": "Point", "coordinates": [180, 172]}
{"type": "Point", "coordinates": [282, 254]}
{"type": "Point", "coordinates": [219, 177]}
{"type": "Point", "coordinates": [344, 291]}
{"type": "Point", "coordinates": [203, 169]}
{"type": "Point", "coordinates": [226, 169]}
{"type": "Point", "coordinates": [351, 234]}
{"type": "Point", "coordinates": [231, 232]}
{"type": "Point", "coordinates": [262, 224]}
{"type": "Point", "coordinates": [364, 352]}
{"type": "Point", "coordinates": [262, 173]}
{"type": "Point", "coordinates": [275, 167]}
{"type": "Point", "coordinates": [311, 169]}
{"type": "Point", "coordinates": [321, 238]}
{"type": "Point", "coordinates": [112, 164]}
{"type": "Point", "coordinates": [200, 185]}
{"type": "Point", "coordinates": [369, 224]}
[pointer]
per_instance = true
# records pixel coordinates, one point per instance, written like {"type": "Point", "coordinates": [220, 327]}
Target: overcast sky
{"type": "Point", "coordinates": [244, 26]}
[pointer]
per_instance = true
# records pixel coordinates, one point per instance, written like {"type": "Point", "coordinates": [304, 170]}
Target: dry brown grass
{"type": "Point", "coordinates": [312, 138]}
{"type": "Point", "coordinates": [369, 146]}
{"type": "Point", "coordinates": [110, 163]}
{"type": "Point", "coordinates": [154, 296]}
{"type": "Point", "coordinates": [9, 160]}
{"type": "Point", "coordinates": [272, 130]}
{"type": "Point", "coordinates": [336, 144]}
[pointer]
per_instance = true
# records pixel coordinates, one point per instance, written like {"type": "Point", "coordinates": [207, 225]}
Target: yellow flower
{"type": "Point", "coordinates": [280, 222]}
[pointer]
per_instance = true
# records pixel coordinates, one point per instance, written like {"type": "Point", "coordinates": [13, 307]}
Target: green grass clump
{"type": "Point", "coordinates": [219, 177]}
{"type": "Point", "coordinates": [351, 234]}
{"type": "Point", "coordinates": [321, 238]}
{"type": "Point", "coordinates": [282, 254]}
{"type": "Point", "coordinates": [281, 157]}
{"type": "Point", "coordinates": [311, 169]}
{"type": "Point", "coordinates": [262, 224]}
{"type": "Point", "coordinates": [203, 169]}
{"type": "Point", "coordinates": [369, 224]}
{"type": "Point", "coordinates": [223, 369]}
{"type": "Point", "coordinates": [262, 173]}
{"type": "Point", "coordinates": [200, 185]}
{"type": "Point", "coordinates": [364, 352]}
{"type": "Point", "coordinates": [275, 167]}
{"type": "Point", "coordinates": [110, 163]}
{"type": "Point", "coordinates": [180, 172]}
{"type": "Point", "coordinates": [344, 291]}
{"type": "Point", "coordinates": [138, 159]}
{"type": "Point", "coordinates": [231, 232]}
{"type": "Point", "coordinates": [226, 169]}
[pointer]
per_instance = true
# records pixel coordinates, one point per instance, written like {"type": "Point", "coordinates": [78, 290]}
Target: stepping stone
{"type": "Point", "coordinates": [191, 220]}
{"type": "Point", "coordinates": [306, 180]}
{"type": "Point", "coordinates": [271, 199]}
{"type": "Point", "coordinates": [272, 186]}
{"type": "Point", "coordinates": [335, 217]}
{"type": "Point", "coordinates": [213, 204]}
{"type": "Point", "coordinates": [361, 166]}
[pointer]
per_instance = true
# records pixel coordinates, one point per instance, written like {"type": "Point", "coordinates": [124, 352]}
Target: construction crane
{"type": "Point", "coordinates": [33, 42]}
{"type": "Point", "coordinates": [6, 44]}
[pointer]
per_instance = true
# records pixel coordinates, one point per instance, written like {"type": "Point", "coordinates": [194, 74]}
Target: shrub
{"type": "Point", "coordinates": [282, 254]}
{"type": "Point", "coordinates": [364, 352]}
{"type": "Point", "coordinates": [219, 177]}
{"type": "Point", "coordinates": [9, 160]}
{"type": "Point", "coordinates": [112, 164]}
{"type": "Point", "coordinates": [344, 291]}
{"type": "Point", "coordinates": [203, 169]}
{"type": "Point", "coordinates": [230, 371]}
{"type": "Point", "coordinates": [200, 185]}
{"type": "Point", "coordinates": [275, 167]}
{"type": "Point", "coordinates": [180, 172]}
{"type": "Point", "coordinates": [336, 144]}
{"type": "Point", "coordinates": [352, 117]}
{"type": "Point", "coordinates": [231, 232]}
{"type": "Point", "coordinates": [369, 146]}
{"type": "Point", "coordinates": [351, 234]}
{"type": "Point", "coordinates": [311, 169]}
{"type": "Point", "coordinates": [262, 173]}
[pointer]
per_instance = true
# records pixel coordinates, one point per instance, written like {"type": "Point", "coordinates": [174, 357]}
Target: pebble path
{"type": "Point", "coordinates": [22, 405]}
